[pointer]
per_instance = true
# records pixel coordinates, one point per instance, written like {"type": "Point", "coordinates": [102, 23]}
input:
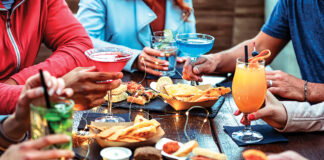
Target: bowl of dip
{"type": "Point", "coordinates": [115, 153]}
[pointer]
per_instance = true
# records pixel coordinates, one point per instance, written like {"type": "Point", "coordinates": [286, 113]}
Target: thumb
{"type": "Point", "coordinates": [261, 113]}
{"type": "Point", "coordinates": [88, 69]}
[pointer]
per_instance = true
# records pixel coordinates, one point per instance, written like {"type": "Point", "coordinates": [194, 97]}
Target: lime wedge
{"type": "Point", "coordinates": [168, 35]}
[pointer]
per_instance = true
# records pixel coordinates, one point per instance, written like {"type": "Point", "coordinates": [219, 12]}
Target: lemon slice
{"type": "Point", "coordinates": [163, 81]}
{"type": "Point", "coordinates": [168, 35]}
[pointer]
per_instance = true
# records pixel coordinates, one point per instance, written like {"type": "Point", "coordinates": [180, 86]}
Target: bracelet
{"type": "Point", "coordinates": [305, 90]}
{"type": "Point", "coordinates": [8, 139]}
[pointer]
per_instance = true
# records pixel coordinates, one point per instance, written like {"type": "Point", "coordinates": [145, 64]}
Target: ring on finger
{"type": "Point", "coordinates": [270, 83]}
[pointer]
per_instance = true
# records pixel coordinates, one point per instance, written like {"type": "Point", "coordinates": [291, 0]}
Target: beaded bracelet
{"type": "Point", "coordinates": [305, 90]}
{"type": "Point", "coordinates": [8, 139]}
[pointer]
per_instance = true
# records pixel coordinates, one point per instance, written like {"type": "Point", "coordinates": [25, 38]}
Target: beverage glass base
{"type": "Point", "coordinates": [247, 136]}
{"type": "Point", "coordinates": [113, 119]}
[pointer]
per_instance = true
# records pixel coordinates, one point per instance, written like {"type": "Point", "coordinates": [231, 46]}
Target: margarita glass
{"type": "Point", "coordinates": [194, 45]}
{"type": "Point", "coordinates": [109, 59]}
{"type": "Point", "coordinates": [249, 91]}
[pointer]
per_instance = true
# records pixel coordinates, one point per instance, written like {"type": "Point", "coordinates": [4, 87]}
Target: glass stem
{"type": "Point", "coordinates": [247, 125]}
{"type": "Point", "coordinates": [109, 103]}
{"type": "Point", "coordinates": [193, 61]}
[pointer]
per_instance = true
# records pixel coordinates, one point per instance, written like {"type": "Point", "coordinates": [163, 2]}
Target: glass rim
{"type": "Point", "coordinates": [189, 34]}
{"type": "Point", "coordinates": [129, 53]}
{"type": "Point", "coordinates": [70, 104]}
{"type": "Point", "coordinates": [241, 60]}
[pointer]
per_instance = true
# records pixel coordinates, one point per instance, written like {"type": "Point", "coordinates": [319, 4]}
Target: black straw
{"type": "Point", "coordinates": [48, 104]}
{"type": "Point", "coordinates": [246, 54]}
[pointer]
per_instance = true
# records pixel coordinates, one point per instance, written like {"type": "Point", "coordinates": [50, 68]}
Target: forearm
{"type": "Point", "coordinates": [303, 117]}
{"type": "Point", "coordinates": [13, 130]}
{"type": "Point", "coordinates": [315, 92]}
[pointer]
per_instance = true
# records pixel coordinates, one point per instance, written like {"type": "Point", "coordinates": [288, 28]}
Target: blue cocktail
{"type": "Point", "coordinates": [194, 45]}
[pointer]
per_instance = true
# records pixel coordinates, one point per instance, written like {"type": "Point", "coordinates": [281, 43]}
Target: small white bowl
{"type": "Point", "coordinates": [115, 153]}
{"type": "Point", "coordinates": [159, 146]}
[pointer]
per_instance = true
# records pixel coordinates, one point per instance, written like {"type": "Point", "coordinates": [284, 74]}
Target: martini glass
{"type": "Point", "coordinates": [194, 45]}
{"type": "Point", "coordinates": [109, 59]}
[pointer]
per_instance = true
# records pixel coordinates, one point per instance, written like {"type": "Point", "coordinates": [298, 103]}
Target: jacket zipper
{"type": "Point", "coordinates": [12, 39]}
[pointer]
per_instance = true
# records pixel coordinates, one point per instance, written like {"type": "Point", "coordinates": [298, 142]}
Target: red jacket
{"type": "Point", "coordinates": [30, 23]}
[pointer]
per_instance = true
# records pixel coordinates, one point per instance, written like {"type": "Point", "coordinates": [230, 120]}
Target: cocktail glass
{"type": "Point", "coordinates": [194, 45]}
{"type": "Point", "coordinates": [55, 120]}
{"type": "Point", "coordinates": [249, 91]}
{"type": "Point", "coordinates": [169, 47]}
{"type": "Point", "coordinates": [109, 59]}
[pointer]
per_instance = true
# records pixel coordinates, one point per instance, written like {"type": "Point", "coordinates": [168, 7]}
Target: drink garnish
{"type": "Point", "coordinates": [263, 55]}
{"type": "Point", "coordinates": [168, 38]}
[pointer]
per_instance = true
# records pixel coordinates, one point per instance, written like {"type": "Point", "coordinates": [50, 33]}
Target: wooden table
{"type": "Point", "coordinates": [212, 136]}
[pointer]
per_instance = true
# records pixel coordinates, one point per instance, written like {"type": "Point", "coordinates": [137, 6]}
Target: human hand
{"type": "Point", "coordinates": [33, 90]}
{"type": "Point", "coordinates": [287, 155]}
{"type": "Point", "coordinates": [181, 59]}
{"type": "Point", "coordinates": [32, 149]}
{"type": "Point", "coordinates": [273, 113]}
{"type": "Point", "coordinates": [285, 85]}
{"type": "Point", "coordinates": [152, 64]}
{"type": "Point", "coordinates": [87, 92]}
{"type": "Point", "coordinates": [194, 71]}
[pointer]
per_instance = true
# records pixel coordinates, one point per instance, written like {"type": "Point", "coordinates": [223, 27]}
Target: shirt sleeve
{"type": "Point", "coordinates": [96, 28]}
{"type": "Point", "coordinates": [9, 95]}
{"type": "Point", "coordinates": [303, 117]}
{"type": "Point", "coordinates": [277, 25]}
{"type": "Point", "coordinates": [66, 36]}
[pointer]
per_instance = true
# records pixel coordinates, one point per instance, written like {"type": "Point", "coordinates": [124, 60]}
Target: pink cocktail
{"type": "Point", "coordinates": [109, 59]}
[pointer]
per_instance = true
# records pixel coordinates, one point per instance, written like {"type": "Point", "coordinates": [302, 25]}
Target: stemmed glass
{"type": "Point", "coordinates": [109, 59]}
{"type": "Point", "coordinates": [194, 45]}
{"type": "Point", "coordinates": [249, 91]}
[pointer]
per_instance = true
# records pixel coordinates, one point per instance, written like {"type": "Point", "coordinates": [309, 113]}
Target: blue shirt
{"type": "Point", "coordinates": [301, 21]}
{"type": "Point", "coordinates": [8, 3]}
{"type": "Point", "coordinates": [126, 23]}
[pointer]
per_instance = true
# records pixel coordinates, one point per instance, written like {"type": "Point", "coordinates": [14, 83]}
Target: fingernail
{"type": "Point", "coordinates": [69, 92]}
{"type": "Point", "coordinates": [162, 55]}
{"type": "Point", "coordinates": [165, 68]}
{"type": "Point", "coordinates": [39, 91]}
{"type": "Point", "coordinates": [166, 63]}
{"type": "Point", "coordinates": [49, 83]}
{"type": "Point", "coordinates": [51, 91]}
{"type": "Point", "coordinates": [196, 69]}
{"type": "Point", "coordinates": [67, 137]}
{"type": "Point", "coordinates": [236, 112]}
{"type": "Point", "coordinates": [59, 91]}
{"type": "Point", "coordinates": [251, 117]}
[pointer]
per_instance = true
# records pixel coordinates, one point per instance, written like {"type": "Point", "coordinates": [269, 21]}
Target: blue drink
{"type": "Point", "coordinates": [194, 44]}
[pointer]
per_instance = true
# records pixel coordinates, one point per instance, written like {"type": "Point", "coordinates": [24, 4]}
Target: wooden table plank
{"type": "Point", "coordinates": [309, 145]}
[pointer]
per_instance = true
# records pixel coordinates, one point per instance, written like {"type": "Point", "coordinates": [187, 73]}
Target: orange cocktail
{"type": "Point", "coordinates": [249, 91]}
{"type": "Point", "coordinates": [249, 86]}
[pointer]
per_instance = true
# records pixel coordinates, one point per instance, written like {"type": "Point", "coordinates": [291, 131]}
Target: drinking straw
{"type": "Point", "coordinates": [48, 104]}
{"type": "Point", "coordinates": [246, 54]}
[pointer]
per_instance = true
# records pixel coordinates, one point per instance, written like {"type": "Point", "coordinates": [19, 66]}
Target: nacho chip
{"type": "Point", "coordinates": [182, 90]}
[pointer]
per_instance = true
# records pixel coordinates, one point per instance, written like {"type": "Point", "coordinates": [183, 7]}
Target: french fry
{"type": "Point", "coordinates": [109, 132]}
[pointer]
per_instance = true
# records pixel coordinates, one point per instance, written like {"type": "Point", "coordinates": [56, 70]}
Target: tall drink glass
{"type": "Point", "coordinates": [109, 59]}
{"type": "Point", "coordinates": [249, 91]}
{"type": "Point", "coordinates": [55, 120]}
{"type": "Point", "coordinates": [169, 47]}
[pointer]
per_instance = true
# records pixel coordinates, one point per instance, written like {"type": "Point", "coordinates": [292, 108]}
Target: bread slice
{"type": "Point", "coordinates": [209, 154]}
{"type": "Point", "coordinates": [186, 148]}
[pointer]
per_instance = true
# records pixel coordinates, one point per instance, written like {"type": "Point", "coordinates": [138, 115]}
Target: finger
{"type": "Point", "coordinates": [67, 92]}
{"type": "Point", "coordinates": [49, 154]}
{"type": "Point", "coordinates": [100, 76]}
{"type": "Point", "coordinates": [60, 86]}
{"type": "Point", "coordinates": [87, 69]}
{"type": "Point", "coordinates": [153, 52]}
{"type": "Point", "coordinates": [275, 90]}
{"type": "Point", "coordinates": [46, 141]}
{"type": "Point", "coordinates": [35, 81]}
{"type": "Point", "coordinates": [201, 68]}
{"type": "Point", "coordinates": [200, 60]}
{"type": "Point", "coordinates": [54, 86]}
{"type": "Point", "coordinates": [155, 60]}
{"type": "Point", "coordinates": [237, 112]}
{"type": "Point", "coordinates": [181, 59]}
{"type": "Point", "coordinates": [270, 73]}
{"type": "Point", "coordinates": [187, 70]}
{"type": "Point", "coordinates": [153, 72]}
{"type": "Point", "coordinates": [154, 66]}
{"type": "Point", "coordinates": [30, 95]}
{"type": "Point", "coordinates": [261, 113]}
